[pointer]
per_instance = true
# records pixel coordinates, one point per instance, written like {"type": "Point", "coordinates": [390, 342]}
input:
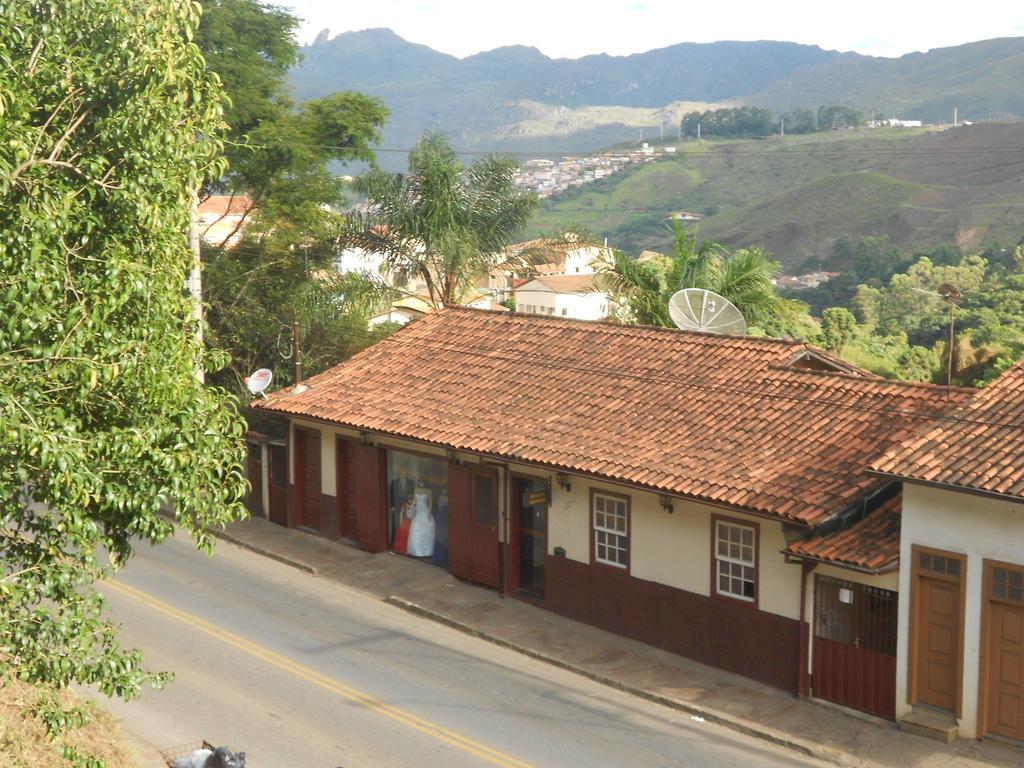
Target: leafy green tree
{"type": "Point", "coordinates": [800, 121]}
{"type": "Point", "coordinates": [642, 289]}
{"type": "Point", "coordinates": [280, 156]}
{"type": "Point", "coordinates": [442, 223]}
{"type": "Point", "coordinates": [109, 125]}
{"type": "Point", "coordinates": [838, 326]}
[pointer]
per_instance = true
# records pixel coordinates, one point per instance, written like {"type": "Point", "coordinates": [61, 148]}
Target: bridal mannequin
{"type": "Point", "coordinates": [421, 533]}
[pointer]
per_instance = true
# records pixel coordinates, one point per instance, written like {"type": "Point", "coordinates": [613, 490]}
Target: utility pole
{"type": "Point", "coordinates": [698, 131]}
{"type": "Point", "coordinates": [956, 117]}
{"type": "Point", "coordinates": [297, 345]}
{"type": "Point", "coordinates": [782, 126]}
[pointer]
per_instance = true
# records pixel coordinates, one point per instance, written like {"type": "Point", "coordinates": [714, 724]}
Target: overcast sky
{"type": "Point", "coordinates": [573, 28]}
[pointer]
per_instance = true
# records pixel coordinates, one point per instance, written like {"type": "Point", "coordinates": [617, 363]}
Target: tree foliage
{"type": "Point", "coordinates": [442, 223]}
{"type": "Point", "coordinates": [642, 289]}
{"type": "Point", "coordinates": [109, 125]}
{"type": "Point", "coordinates": [281, 156]}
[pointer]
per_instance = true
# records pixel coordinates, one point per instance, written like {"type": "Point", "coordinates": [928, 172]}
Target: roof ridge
{"type": "Point", "coordinates": [629, 327]}
{"type": "Point", "coordinates": [878, 380]}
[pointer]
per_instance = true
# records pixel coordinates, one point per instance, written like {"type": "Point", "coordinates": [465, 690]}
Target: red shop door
{"type": "Point", "coordinates": [473, 525]}
{"type": "Point", "coordinates": [368, 497]}
{"type": "Point", "coordinates": [307, 478]}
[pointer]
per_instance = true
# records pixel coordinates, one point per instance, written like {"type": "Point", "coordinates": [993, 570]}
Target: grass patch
{"type": "Point", "coordinates": [23, 739]}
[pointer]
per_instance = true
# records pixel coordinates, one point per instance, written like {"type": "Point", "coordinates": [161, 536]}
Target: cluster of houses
{"type": "Point", "coordinates": [751, 503]}
{"type": "Point", "coordinates": [549, 177]}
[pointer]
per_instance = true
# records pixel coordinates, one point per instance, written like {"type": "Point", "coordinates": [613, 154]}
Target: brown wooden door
{"type": "Point", "coordinates": [278, 501]}
{"type": "Point", "coordinates": [307, 478]}
{"type": "Point", "coordinates": [345, 509]}
{"type": "Point", "coordinates": [939, 622]}
{"type": "Point", "coordinates": [460, 543]}
{"type": "Point", "coordinates": [254, 471]}
{"type": "Point", "coordinates": [1005, 652]}
{"type": "Point", "coordinates": [369, 498]}
{"type": "Point", "coordinates": [484, 529]}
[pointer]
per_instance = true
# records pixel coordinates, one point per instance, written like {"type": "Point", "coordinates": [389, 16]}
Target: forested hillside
{"type": "Point", "coordinates": [797, 196]}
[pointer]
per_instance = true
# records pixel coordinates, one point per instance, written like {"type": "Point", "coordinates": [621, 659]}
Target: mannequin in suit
{"type": "Point", "coordinates": [399, 495]}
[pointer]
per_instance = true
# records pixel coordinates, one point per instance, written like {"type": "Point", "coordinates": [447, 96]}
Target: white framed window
{"type": "Point", "coordinates": [610, 518]}
{"type": "Point", "coordinates": [736, 560]}
{"type": "Point", "coordinates": [565, 311]}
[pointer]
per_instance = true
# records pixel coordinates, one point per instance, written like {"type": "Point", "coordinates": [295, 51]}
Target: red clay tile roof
{"type": "Point", "coordinates": [561, 284]}
{"type": "Point", "coordinates": [871, 544]}
{"type": "Point", "coordinates": [721, 419]}
{"type": "Point", "coordinates": [981, 447]}
{"type": "Point", "coordinates": [223, 205]}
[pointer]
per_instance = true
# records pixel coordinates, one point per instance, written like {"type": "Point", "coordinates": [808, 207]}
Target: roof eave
{"type": "Point", "coordinates": [948, 486]}
{"type": "Point", "coordinates": [558, 468]}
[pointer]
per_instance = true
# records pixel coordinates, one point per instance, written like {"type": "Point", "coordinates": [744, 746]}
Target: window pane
{"type": "Point", "coordinates": [952, 567]}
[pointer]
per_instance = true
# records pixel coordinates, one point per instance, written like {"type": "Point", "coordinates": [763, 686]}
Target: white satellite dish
{"type": "Point", "coordinates": [695, 309]}
{"type": "Point", "coordinates": [259, 380]}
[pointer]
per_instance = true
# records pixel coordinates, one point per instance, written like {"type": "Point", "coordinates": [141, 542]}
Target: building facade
{"type": "Point", "coordinates": [724, 498]}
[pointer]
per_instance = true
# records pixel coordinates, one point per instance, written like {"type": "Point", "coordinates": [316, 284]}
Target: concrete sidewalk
{"type": "Point", "coordinates": [705, 692]}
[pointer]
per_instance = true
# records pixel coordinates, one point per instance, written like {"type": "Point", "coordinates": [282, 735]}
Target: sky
{"type": "Point", "coordinates": [573, 28]}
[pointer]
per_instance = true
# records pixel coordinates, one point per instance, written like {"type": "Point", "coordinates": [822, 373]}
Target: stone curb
{"type": "Point", "coordinates": [266, 552]}
{"type": "Point", "coordinates": [809, 749]}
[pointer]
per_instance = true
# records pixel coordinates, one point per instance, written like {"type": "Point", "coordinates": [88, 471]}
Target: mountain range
{"type": "Point", "coordinates": [515, 98]}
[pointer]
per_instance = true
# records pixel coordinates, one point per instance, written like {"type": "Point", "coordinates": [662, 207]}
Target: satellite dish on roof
{"type": "Point", "coordinates": [259, 380]}
{"type": "Point", "coordinates": [696, 309]}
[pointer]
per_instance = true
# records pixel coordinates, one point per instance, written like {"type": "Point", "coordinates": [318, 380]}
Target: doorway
{"type": "Point", "coordinates": [530, 498]}
{"type": "Point", "coordinates": [1003, 650]}
{"type": "Point", "coordinates": [938, 629]}
{"type": "Point", "coordinates": [307, 479]}
{"type": "Point", "coordinates": [473, 525]}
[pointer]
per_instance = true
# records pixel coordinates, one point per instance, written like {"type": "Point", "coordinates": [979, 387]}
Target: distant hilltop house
{"type": "Point", "coordinates": [222, 219]}
{"type": "Point", "coordinates": [801, 282]}
{"type": "Point", "coordinates": [895, 122]}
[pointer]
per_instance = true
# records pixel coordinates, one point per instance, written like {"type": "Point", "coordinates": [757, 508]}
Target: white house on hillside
{"type": "Point", "coordinates": [573, 296]}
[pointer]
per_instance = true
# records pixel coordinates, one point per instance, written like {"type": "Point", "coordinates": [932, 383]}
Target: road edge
{"type": "Point", "coordinates": [745, 727]}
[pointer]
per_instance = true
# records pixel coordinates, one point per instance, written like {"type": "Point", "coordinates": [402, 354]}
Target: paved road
{"type": "Point", "coordinates": [301, 673]}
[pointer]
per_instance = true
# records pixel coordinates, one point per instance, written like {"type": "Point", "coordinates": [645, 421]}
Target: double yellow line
{"type": "Point", "coordinates": [310, 675]}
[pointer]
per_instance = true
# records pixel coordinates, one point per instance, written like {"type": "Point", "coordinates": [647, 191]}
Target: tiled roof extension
{"type": "Point", "coordinates": [871, 544]}
{"type": "Point", "coordinates": [721, 419]}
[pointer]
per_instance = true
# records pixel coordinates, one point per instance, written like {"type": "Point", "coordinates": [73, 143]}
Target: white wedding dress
{"type": "Point", "coordinates": [421, 532]}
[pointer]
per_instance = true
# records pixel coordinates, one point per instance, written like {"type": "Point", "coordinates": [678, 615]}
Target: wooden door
{"type": "Point", "coordinates": [369, 497]}
{"type": "Point", "coordinates": [345, 508]}
{"type": "Point", "coordinates": [278, 500]}
{"type": "Point", "coordinates": [939, 623]}
{"type": "Point", "coordinates": [1005, 651]}
{"type": "Point", "coordinates": [484, 529]}
{"type": "Point", "coordinates": [460, 544]}
{"type": "Point", "coordinates": [254, 471]}
{"type": "Point", "coordinates": [307, 478]}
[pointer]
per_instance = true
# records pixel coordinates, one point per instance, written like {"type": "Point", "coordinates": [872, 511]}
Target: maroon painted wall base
{"type": "Point", "coordinates": [719, 631]}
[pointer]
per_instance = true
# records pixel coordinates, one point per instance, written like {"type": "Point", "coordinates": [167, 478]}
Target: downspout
{"type": "Point", "coordinates": [803, 687]}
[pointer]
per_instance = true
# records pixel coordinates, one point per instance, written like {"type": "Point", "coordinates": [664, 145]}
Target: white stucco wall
{"type": "Point", "coordinates": [592, 305]}
{"type": "Point", "coordinates": [979, 527]}
{"type": "Point", "coordinates": [672, 549]}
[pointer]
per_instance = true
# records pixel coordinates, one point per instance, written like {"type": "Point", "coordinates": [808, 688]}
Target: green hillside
{"type": "Point", "coordinates": [798, 195]}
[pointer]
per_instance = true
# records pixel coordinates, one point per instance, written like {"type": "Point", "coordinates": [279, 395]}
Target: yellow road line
{"type": "Point", "coordinates": [310, 675]}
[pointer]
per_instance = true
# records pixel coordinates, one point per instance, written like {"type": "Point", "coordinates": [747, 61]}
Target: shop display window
{"type": "Point", "coordinates": [418, 506]}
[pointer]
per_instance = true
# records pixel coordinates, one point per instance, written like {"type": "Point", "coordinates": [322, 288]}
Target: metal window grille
{"type": "Point", "coordinates": [858, 615]}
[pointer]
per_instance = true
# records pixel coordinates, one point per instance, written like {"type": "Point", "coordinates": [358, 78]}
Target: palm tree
{"type": "Point", "coordinates": [744, 277]}
{"type": "Point", "coordinates": [443, 223]}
